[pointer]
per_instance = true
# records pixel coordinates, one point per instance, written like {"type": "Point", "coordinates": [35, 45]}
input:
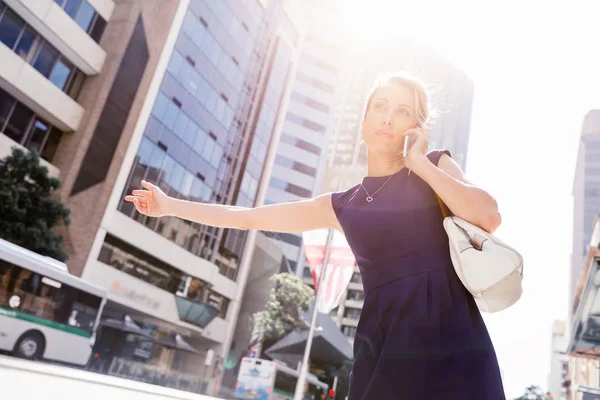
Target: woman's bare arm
{"type": "Point", "coordinates": [464, 199]}
{"type": "Point", "coordinates": [298, 216]}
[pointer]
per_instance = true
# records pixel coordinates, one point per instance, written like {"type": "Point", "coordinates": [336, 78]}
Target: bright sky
{"type": "Point", "coordinates": [536, 69]}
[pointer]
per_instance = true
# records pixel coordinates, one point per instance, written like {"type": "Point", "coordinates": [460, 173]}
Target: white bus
{"type": "Point", "coordinates": [260, 379]}
{"type": "Point", "coordinates": [45, 312]}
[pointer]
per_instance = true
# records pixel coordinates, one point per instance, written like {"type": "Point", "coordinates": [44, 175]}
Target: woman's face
{"type": "Point", "coordinates": [390, 114]}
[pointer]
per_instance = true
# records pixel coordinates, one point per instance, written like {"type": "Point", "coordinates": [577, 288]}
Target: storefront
{"type": "Point", "coordinates": [160, 325]}
{"type": "Point", "coordinates": [138, 346]}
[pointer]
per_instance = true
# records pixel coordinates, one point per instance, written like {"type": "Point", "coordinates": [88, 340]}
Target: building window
{"type": "Point", "coordinates": [301, 144]}
{"type": "Point", "coordinates": [11, 26]}
{"type": "Point", "coordinates": [352, 313]}
{"type": "Point", "coordinates": [46, 58]}
{"type": "Point", "coordinates": [315, 82]}
{"type": "Point", "coordinates": [85, 16]}
{"type": "Point", "coordinates": [349, 331]}
{"type": "Point", "coordinates": [310, 102]}
{"type": "Point", "coordinates": [298, 191]}
{"type": "Point", "coordinates": [295, 165]}
{"type": "Point", "coordinates": [356, 278]}
{"type": "Point", "coordinates": [355, 295]}
{"type": "Point", "coordinates": [21, 125]}
{"type": "Point", "coordinates": [29, 45]}
{"type": "Point", "coordinates": [313, 126]}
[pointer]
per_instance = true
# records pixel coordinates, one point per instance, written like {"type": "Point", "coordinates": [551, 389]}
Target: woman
{"type": "Point", "coordinates": [420, 334]}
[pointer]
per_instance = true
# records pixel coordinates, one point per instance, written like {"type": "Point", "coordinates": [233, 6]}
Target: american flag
{"type": "Point", "coordinates": [339, 270]}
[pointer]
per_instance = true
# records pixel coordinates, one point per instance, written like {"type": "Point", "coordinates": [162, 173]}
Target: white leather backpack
{"type": "Point", "coordinates": [490, 270]}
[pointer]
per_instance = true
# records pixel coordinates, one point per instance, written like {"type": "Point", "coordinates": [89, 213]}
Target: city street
{"type": "Point", "coordinates": [26, 380]}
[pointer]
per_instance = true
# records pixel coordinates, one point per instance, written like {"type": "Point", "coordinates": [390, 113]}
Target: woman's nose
{"type": "Point", "coordinates": [387, 119]}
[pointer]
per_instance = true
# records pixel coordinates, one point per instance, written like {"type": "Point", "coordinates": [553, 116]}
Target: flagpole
{"type": "Point", "coordinates": [299, 394]}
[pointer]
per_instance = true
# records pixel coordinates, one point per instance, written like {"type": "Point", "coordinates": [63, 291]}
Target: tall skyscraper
{"type": "Point", "coordinates": [301, 154]}
{"type": "Point", "coordinates": [186, 94]}
{"type": "Point", "coordinates": [586, 195]}
{"type": "Point", "coordinates": [347, 159]}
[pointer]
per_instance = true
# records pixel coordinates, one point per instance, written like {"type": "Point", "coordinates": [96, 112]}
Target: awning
{"type": "Point", "coordinates": [175, 341]}
{"type": "Point", "coordinates": [585, 336]}
{"type": "Point", "coordinates": [589, 393]}
{"type": "Point", "coordinates": [197, 313]}
{"type": "Point", "coordinates": [125, 324]}
{"type": "Point", "coordinates": [329, 346]}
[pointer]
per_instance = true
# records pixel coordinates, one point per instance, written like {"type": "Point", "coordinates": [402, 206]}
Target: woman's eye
{"type": "Point", "coordinates": [379, 105]}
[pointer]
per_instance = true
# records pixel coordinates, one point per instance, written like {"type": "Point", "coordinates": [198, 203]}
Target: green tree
{"type": "Point", "coordinates": [532, 393]}
{"type": "Point", "coordinates": [29, 213]}
{"type": "Point", "coordinates": [282, 311]}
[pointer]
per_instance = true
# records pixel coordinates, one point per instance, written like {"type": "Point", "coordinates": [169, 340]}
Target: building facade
{"type": "Point", "coordinates": [187, 94]}
{"type": "Point", "coordinates": [559, 361]}
{"type": "Point", "coordinates": [584, 367]}
{"type": "Point", "coordinates": [586, 194]}
{"type": "Point", "coordinates": [301, 154]}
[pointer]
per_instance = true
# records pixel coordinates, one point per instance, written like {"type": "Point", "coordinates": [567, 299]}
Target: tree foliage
{"type": "Point", "coordinates": [282, 311]}
{"type": "Point", "coordinates": [532, 393]}
{"type": "Point", "coordinates": [29, 213]}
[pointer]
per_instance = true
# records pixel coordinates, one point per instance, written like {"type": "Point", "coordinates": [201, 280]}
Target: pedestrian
{"type": "Point", "coordinates": [420, 333]}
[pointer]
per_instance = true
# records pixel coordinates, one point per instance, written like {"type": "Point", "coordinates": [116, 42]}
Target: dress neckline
{"type": "Point", "coordinates": [383, 177]}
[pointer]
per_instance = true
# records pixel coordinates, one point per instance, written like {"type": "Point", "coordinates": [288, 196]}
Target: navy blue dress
{"type": "Point", "coordinates": [420, 335]}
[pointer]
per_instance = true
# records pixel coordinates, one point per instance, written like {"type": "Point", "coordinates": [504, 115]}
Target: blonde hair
{"type": "Point", "coordinates": [423, 107]}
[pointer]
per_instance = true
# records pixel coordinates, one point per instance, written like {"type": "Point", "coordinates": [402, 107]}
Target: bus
{"type": "Point", "coordinates": [260, 379]}
{"type": "Point", "coordinates": [45, 312]}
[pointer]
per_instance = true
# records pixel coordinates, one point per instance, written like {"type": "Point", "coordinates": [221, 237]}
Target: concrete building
{"type": "Point", "coordinates": [584, 366]}
{"type": "Point", "coordinates": [559, 361]}
{"type": "Point", "coordinates": [583, 378]}
{"type": "Point", "coordinates": [301, 154]}
{"type": "Point", "coordinates": [188, 94]}
{"type": "Point", "coordinates": [586, 194]}
{"type": "Point", "coordinates": [51, 57]}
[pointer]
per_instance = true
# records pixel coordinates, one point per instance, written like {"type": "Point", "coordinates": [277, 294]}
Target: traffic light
{"type": "Point", "coordinates": [332, 394]}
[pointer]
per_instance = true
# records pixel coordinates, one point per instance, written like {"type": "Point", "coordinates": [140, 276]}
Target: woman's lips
{"type": "Point", "coordinates": [381, 132]}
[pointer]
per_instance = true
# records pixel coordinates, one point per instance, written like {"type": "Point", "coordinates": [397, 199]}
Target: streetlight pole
{"type": "Point", "coordinates": [299, 394]}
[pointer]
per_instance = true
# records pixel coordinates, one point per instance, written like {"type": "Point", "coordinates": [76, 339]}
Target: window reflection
{"type": "Point", "coordinates": [10, 27]}
{"type": "Point", "coordinates": [85, 16]}
{"type": "Point", "coordinates": [38, 135]}
{"type": "Point", "coordinates": [60, 74]}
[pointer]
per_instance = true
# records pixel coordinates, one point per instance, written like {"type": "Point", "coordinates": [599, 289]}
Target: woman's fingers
{"type": "Point", "coordinates": [134, 198]}
{"type": "Point", "coordinates": [147, 185]}
{"type": "Point", "coordinates": [142, 206]}
{"type": "Point", "coordinates": [143, 193]}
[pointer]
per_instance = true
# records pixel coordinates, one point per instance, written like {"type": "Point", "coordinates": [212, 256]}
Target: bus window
{"type": "Point", "coordinates": [42, 297]}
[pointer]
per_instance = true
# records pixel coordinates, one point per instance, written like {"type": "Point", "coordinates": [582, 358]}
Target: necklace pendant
{"type": "Point", "coordinates": [369, 199]}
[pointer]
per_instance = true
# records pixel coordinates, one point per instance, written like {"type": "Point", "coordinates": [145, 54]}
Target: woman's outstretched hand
{"type": "Point", "coordinates": [152, 202]}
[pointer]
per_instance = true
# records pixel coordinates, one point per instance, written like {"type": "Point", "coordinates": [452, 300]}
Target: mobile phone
{"type": "Point", "coordinates": [408, 142]}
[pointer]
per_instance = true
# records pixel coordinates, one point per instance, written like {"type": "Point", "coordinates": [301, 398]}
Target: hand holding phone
{"type": "Point", "coordinates": [409, 140]}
